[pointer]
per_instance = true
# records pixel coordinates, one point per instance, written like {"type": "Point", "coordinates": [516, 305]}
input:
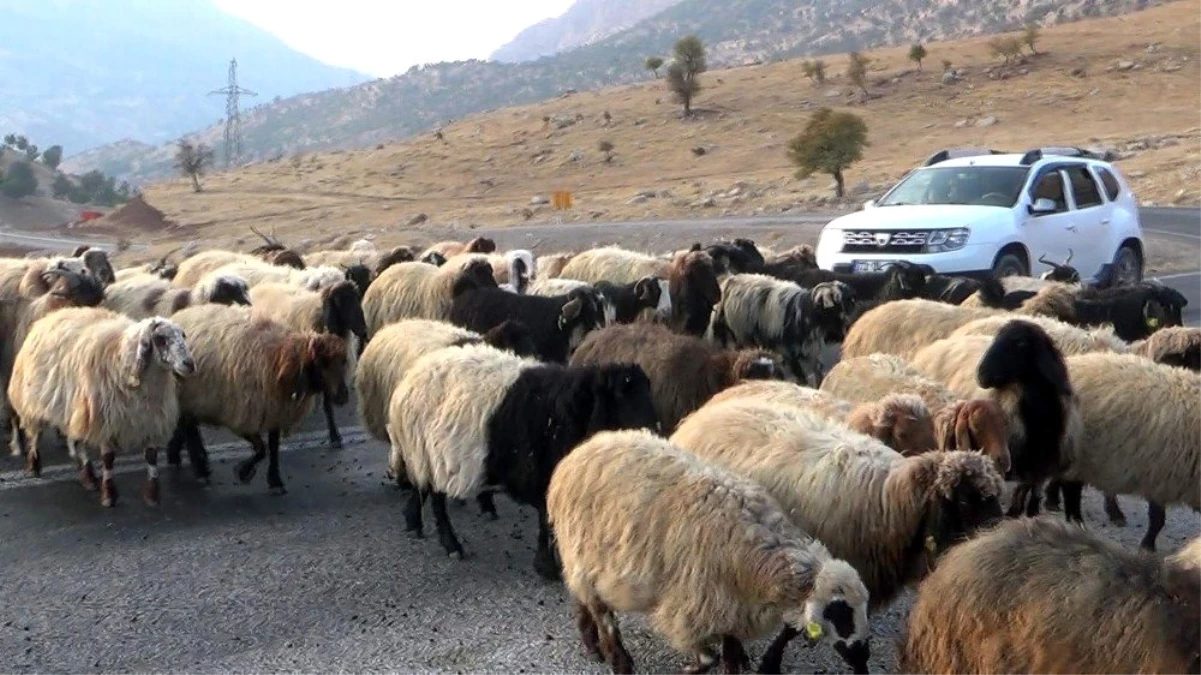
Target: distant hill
{"type": "Point", "coordinates": [736, 32]}
{"type": "Point", "coordinates": [585, 22]}
{"type": "Point", "coordinates": [81, 73]}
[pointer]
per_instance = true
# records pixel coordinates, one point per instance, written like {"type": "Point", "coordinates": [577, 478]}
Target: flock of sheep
{"type": "Point", "coordinates": [671, 421]}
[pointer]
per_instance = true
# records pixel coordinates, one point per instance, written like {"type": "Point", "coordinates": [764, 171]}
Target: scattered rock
{"type": "Point", "coordinates": [418, 219]}
{"type": "Point", "coordinates": [1078, 72]}
{"type": "Point", "coordinates": [638, 199]}
{"type": "Point", "coordinates": [833, 93]}
{"type": "Point", "coordinates": [1153, 47]}
{"type": "Point", "coordinates": [577, 156]}
{"type": "Point", "coordinates": [539, 200]}
{"type": "Point", "coordinates": [1170, 67]}
{"type": "Point", "coordinates": [950, 77]}
{"type": "Point", "coordinates": [706, 203]}
{"type": "Point", "coordinates": [1024, 71]}
{"type": "Point", "coordinates": [640, 121]}
{"type": "Point", "coordinates": [699, 151]}
{"type": "Point", "coordinates": [1125, 65]}
{"type": "Point", "coordinates": [986, 121]}
{"type": "Point", "coordinates": [961, 124]}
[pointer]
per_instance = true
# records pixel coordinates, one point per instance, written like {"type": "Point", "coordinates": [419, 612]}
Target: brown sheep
{"type": "Point", "coordinates": [684, 371]}
{"type": "Point", "coordinates": [1037, 595]}
{"type": "Point", "coordinates": [450, 249]}
{"type": "Point", "coordinates": [1178, 346]}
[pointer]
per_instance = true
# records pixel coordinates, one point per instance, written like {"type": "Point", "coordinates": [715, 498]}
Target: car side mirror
{"type": "Point", "coordinates": [1042, 206]}
{"type": "Point", "coordinates": [869, 204]}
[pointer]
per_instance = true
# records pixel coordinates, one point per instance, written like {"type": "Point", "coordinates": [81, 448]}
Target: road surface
{"type": "Point", "coordinates": [230, 578]}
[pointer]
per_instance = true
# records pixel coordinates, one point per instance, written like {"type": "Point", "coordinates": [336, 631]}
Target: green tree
{"type": "Point", "coordinates": [52, 157]}
{"type": "Point", "coordinates": [607, 148]}
{"type": "Point", "coordinates": [1030, 36]}
{"type": "Point", "coordinates": [21, 143]}
{"type": "Point", "coordinates": [819, 71]}
{"type": "Point", "coordinates": [830, 143]}
{"type": "Point", "coordinates": [19, 181]}
{"type": "Point", "coordinates": [916, 53]}
{"type": "Point", "coordinates": [10, 139]}
{"type": "Point", "coordinates": [683, 73]}
{"type": "Point", "coordinates": [947, 65]}
{"type": "Point", "coordinates": [31, 152]}
{"type": "Point", "coordinates": [62, 186]}
{"type": "Point", "coordinates": [653, 64]}
{"type": "Point", "coordinates": [857, 70]}
{"type": "Point", "coordinates": [1007, 47]}
{"type": "Point", "coordinates": [192, 161]}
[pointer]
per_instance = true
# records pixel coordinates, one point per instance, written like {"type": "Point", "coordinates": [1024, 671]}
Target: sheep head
{"type": "Point", "coordinates": [754, 364]}
{"type": "Point", "coordinates": [69, 289]}
{"type": "Point", "coordinates": [900, 421]}
{"type": "Point", "coordinates": [976, 425]}
{"type": "Point", "coordinates": [512, 336]}
{"type": "Point", "coordinates": [834, 303]}
{"type": "Point", "coordinates": [962, 493]}
{"type": "Point", "coordinates": [835, 611]}
{"type": "Point", "coordinates": [434, 258]}
{"type": "Point", "coordinates": [1023, 352]}
{"type": "Point", "coordinates": [1063, 273]}
{"type": "Point", "coordinates": [360, 275]}
{"type": "Point", "coordinates": [310, 363]}
{"type": "Point", "coordinates": [802, 256]}
{"type": "Point", "coordinates": [618, 396]}
{"type": "Point", "coordinates": [480, 245]}
{"type": "Point", "coordinates": [227, 289]}
{"type": "Point", "coordinates": [159, 341]}
{"type": "Point", "coordinates": [654, 293]}
{"type": "Point", "coordinates": [583, 313]}
{"type": "Point", "coordinates": [475, 272]}
{"type": "Point", "coordinates": [907, 278]}
{"type": "Point", "coordinates": [97, 263]}
{"type": "Point", "coordinates": [342, 310]}
{"type": "Point", "coordinates": [398, 255]}
{"type": "Point", "coordinates": [284, 258]}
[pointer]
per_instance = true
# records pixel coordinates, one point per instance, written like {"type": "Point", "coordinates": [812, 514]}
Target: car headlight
{"type": "Point", "coordinates": [947, 240]}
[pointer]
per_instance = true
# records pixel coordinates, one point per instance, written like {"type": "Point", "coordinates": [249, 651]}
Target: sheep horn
{"type": "Point", "coordinates": [1043, 259]}
{"type": "Point", "coordinates": [1069, 260]}
{"type": "Point", "coordinates": [271, 241]}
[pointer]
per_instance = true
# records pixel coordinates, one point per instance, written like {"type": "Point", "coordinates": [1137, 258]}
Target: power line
{"type": "Point", "coordinates": [233, 123]}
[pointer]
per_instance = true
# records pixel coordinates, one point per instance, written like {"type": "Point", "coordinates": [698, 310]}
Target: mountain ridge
{"type": "Point", "coordinates": [585, 22]}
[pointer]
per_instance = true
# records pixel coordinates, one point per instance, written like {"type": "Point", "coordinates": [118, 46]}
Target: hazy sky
{"type": "Point", "coordinates": [385, 37]}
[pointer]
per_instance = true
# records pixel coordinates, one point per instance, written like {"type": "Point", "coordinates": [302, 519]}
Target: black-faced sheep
{"type": "Point", "coordinates": [465, 419]}
{"type": "Point", "coordinates": [900, 421]}
{"type": "Point", "coordinates": [514, 270]}
{"type": "Point", "coordinates": [1041, 596]}
{"type": "Point", "coordinates": [707, 555]}
{"type": "Point", "coordinates": [254, 375]}
{"type": "Point", "coordinates": [756, 310]}
{"type": "Point", "coordinates": [900, 281]}
{"type": "Point", "coordinates": [146, 296]}
{"type": "Point", "coordinates": [959, 424]}
{"type": "Point", "coordinates": [887, 515]}
{"type": "Point", "coordinates": [684, 371]}
{"type": "Point", "coordinates": [1023, 371]}
{"type": "Point", "coordinates": [450, 249]}
{"type": "Point", "coordinates": [739, 256]}
{"type": "Point", "coordinates": [418, 290]}
{"type": "Point", "coordinates": [192, 269]}
{"type": "Point", "coordinates": [101, 379]}
{"type": "Point", "coordinates": [1136, 312]}
{"type": "Point", "coordinates": [557, 324]}
{"type": "Point", "coordinates": [334, 310]}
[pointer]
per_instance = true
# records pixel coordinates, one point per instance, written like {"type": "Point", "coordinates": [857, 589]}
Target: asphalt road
{"type": "Point", "coordinates": [230, 578]}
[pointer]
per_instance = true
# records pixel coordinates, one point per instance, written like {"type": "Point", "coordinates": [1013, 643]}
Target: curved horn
{"type": "Point", "coordinates": [1043, 259]}
{"type": "Point", "coordinates": [270, 240]}
{"type": "Point", "coordinates": [1070, 253]}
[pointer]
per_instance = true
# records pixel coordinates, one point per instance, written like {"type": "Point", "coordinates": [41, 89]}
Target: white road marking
{"type": "Point", "coordinates": [1183, 235]}
{"type": "Point", "coordinates": [62, 473]}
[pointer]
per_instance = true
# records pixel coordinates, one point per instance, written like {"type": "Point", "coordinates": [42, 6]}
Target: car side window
{"type": "Point", "coordinates": [1050, 186]}
{"type": "Point", "coordinates": [1112, 187]}
{"type": "Point", "coordinates": [1084, 188]}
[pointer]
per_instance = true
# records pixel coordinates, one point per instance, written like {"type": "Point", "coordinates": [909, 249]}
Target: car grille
{"type": "Point", "coordinates": [868, 241]}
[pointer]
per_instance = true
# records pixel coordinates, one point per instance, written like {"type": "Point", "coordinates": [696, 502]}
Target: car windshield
{"type": "Point", "coordinates": [966, 185]}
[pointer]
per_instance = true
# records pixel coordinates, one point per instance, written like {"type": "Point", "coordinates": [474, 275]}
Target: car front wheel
{"type": "Point", "coordinates": [1127, 266]}
{"type": "Point", "coordinates": [1009, 265]}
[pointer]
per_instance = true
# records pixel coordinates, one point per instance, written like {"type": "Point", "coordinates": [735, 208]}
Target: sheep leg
{"type": "Point", "coordinates": [610, 638]}
{"type": "Point", "coordinates": [1073, 491]}
{"type": "Point", "coordinates": [588, 632]}
{"type": "Point", "coordinates": [16, 439]}
{"type": "Point", "coordinates": [246, 469]}
{"type": "Point", "coordinates": [773, 658]}
{"type": "Point", "coordinates": [33, 458]}
{"type": "Point", "coordinates": [446, 532]}
{"type": "Point", "coordinates": [335, 439]}
{"type": "Point", "coordinates": [197, 454]}
{"type": "Point", "coordinates": [108, 488]}
{"type": "Point", "coordinates": [705, 660]}
{"type": "Point", "coordinates": [274, 482]}
{"type": "Point", "coordinates": [733, 654]}
{"type": "Point", "coordinates": [178, 437]}
{"type": "Point", "coordinates": [544, 558]}
{"type": "Point", "coordinates": [87, 476]}
{"type": "Point", "coordinates": [1052, 494]}
{"type": "Point", "coordinates": [487, 505]}
{"type": "Point", "coordinates": [412, 512]}
{"type": "Point", "coordinates": [1033, 502]}
{"type": "Point", "coordinates": [1156, 516]}
{"type": "Point", "coordinates": [1114, 511]}
{"type": "Point", "coordinates": [1018, 502]}
{"type": "Point", "coordinates": [150, 493]}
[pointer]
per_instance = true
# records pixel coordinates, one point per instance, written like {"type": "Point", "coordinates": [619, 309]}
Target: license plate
{"type": "Point", "coordinates": [871, 265]}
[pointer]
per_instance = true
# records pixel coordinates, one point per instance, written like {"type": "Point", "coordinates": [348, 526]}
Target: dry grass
{"type": "Point", "coordinates": [488, 168]}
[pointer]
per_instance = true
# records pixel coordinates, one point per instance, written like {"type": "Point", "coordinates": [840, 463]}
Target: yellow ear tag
{"type": "Point", "coordinates": [930, 545]}
{"type": "Point", "coordinates": [1152, 322]}
{"type": "Point", "coordinates": [814, 630]}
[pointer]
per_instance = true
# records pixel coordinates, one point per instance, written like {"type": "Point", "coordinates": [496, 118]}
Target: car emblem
{"type": "Point", "coordinates": [882, 238]}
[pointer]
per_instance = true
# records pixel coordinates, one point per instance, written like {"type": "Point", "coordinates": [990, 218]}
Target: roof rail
{"type": "Point", "coordinates": [1058, 151]}
{"type": "Point", "coordinates": [956, 153]}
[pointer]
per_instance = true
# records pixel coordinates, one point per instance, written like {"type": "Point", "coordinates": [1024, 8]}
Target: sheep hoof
{"type": "Point", "coordinates": [87, 478]}
{"type": "Point", "coordinates": [491, 515]}
{"type": "Point", "coordinates": [455, 555]}
{"type": "Point", "coordinates": [547, 569]}
{"type": "Point", "coordinates": [108, 493]}
{"type": "Point", "coordinates": [245, 472]}
{"type": "Point", "coordinates": [335, 443]}
{"type": "Point", "coordinates": [277, 490]}
{"type": "Point", "coordinates": [1119, 521]}
{"type": "Point", "coordinates": [150, 493]}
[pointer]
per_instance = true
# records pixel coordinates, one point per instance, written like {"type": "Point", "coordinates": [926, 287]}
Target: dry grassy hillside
{"type": "Point", "coordinates": [1129, 83]}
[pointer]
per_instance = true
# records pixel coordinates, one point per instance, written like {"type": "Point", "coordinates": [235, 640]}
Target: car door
{"type": "Point", "coordinates": [1092, 233]}
{"type": "Point", "coordinates": [1049, 234]}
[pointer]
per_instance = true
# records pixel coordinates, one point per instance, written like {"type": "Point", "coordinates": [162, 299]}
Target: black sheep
{"type": "Point", "coordinates": [901, 281]}
{"type": "Point", "coordinates": [649, 294]}
{"type": "Point", "coordinates": [557, 324]}
{"type": "Point", "coordinates": [1136, 311]}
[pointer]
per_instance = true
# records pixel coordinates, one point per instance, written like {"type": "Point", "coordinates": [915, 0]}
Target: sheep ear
{"type": "Point", "coordinates": [570, 311]}
{"type": "Point", "coordinates": [645, 289]}
{"type": "Point", "coordinates": [138, 351]}
{"type": "Point", "coordinates": [963, 429]}
{"type": "Point", "coordinates": [1149, 316]}
{"type": "Point", "coordinates": [944, 426]}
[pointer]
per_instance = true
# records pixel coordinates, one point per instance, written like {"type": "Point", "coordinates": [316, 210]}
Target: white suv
{"type": "Point", "coordinates": [974, 212]}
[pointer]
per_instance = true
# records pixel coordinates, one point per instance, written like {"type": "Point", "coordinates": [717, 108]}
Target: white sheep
{"type": "Point", "coordinates": [101, 379]}
{"type": "Point", "coordinates": [708, 556]}
{"type": "Point", "coordinates": [258, 272]}
{"type": "Point", "coordinates": [193, 268]}
{"type": "Point", "coordinates": [146, 295]}
{"type": "Point", "coordinates": [1068, 338]}
{"type": "Point", "coordinates": [417, 290]}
